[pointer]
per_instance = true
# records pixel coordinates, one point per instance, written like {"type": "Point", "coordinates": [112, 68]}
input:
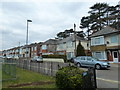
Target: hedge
{"type": "Point", "coordinates": [71, 77]}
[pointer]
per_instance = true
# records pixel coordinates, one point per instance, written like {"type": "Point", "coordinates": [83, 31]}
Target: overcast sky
{"type": "Point", "coordinates": [48, 18]}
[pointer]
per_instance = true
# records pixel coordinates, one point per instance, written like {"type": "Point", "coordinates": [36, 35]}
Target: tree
{"type": "Point", "coordinates": [80, 50]}
{"type": "Point", "coordinates": [100, 15]}
{"type": "Point", "coordinates": [69, 32]}
{"type": "Point", "coordinates": [98, 11]}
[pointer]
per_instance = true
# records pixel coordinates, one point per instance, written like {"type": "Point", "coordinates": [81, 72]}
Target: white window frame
{"type": "Point", "coordinates": [94, 41]}
{"type": "Point", "coordinates": [102, 57]}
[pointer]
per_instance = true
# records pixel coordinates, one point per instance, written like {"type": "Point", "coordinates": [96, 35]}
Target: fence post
{"type": "Point", "coordinates": [51, 69]}
{"type": "Point", "coordinates": [94, 71]}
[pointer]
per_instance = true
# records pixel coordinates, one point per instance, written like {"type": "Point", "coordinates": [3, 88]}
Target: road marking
{"type": "Point", "coordinates": [112, 81]}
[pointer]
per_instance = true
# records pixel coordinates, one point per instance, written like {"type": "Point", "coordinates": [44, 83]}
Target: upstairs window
{"type": "Point", "coordinates": [97, 40]}
{"type": "Point", "coordinates": [44, 47]}
{"type": "Point", "coordinates": [69, 44]}
{"type": "Point", "coordinates": [114, 39]}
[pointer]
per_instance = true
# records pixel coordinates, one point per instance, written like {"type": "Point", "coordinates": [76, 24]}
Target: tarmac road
{"type": "Point", "coordinates": [108, 78]}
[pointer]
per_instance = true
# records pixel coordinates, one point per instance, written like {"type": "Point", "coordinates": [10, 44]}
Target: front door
{"type": "Point", "coordinates": [115, 56]}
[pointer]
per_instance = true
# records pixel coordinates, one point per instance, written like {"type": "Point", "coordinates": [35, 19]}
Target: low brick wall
{"type": "Point", "coordinates": [47, 68]}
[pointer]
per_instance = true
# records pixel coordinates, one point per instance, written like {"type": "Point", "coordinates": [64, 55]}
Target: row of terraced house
{"type": "Point", "coordinates": [104, 44]}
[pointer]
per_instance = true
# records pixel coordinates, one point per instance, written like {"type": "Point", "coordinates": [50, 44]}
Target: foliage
{"type": "Point", "coordinates": [56, 56]}
{"type": "Point", "coordinates": [100, 15]}
{"type": "Point", "coordinates": [67, 33]}
{"type": "Point", "coordinates": [80, 50]}
{"type": "Point", "coordinates": [71, 77]}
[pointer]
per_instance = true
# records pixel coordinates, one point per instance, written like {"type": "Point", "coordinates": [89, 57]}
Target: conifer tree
{"type": "Point", "coordinates": [80, 50]}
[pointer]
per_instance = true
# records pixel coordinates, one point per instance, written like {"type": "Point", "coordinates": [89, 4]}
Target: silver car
{"type": "Point", "coordinates": [89, 61]}
{"type": "Point", "coordinates": [37, 58]}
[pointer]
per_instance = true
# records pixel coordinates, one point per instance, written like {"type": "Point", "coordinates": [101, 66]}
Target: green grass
{"type": "Point", "coordinates": [25, 76]}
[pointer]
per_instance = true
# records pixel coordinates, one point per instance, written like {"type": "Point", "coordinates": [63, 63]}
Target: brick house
{"type": "Point", "coordinates": [105, 44]}
{"type": "Point", "coordinates": [35, 49]}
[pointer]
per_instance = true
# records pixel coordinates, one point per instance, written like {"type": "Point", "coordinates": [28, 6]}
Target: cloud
{"type": "Point", "coordinates": [48, 18]}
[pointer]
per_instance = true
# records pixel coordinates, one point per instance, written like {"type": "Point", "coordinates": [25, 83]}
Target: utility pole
{"type": "Point", "coordinates": [75, 38]}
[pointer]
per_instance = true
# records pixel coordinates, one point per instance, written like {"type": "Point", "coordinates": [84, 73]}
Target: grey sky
{"type": "Point", "coordinates": [48, 18]}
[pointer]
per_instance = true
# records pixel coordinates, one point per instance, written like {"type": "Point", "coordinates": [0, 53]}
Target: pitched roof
{"type": "Point", "coordinates": [71, 38]}
{"type": "Point", "coordinates": [105, 31]}
{"type": "Point", "coordinates": [51, 41]}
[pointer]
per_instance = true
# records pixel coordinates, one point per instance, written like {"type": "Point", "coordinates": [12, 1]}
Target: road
{"type": "Point", "coordinates": [108, 78]}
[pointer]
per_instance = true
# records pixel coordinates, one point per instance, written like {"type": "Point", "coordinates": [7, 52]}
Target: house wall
{"type": "Point", "coordinates": [110, 44]}
{"type": "Point", "coordinates": [69, 47]}
{"type": "Point", "coordinates": [108, 39]}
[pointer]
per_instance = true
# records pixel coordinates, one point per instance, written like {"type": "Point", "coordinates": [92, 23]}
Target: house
{"type": "Point", "coordinates": [11, 53]}
{"type": "Point", "coordinates": [105, 44]}
{"type": "Point", "coordinates": [31, 50]}
{"type": "Point", "coordinates": [35, 49]}
{"type": "Point", "coordinates": [49, 47]}
{"type": "Point", "coordinates": [67, 47]}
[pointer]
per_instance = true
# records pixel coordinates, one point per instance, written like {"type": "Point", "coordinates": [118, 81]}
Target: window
{"type": "Point", "coordinates": [100, 55]}
{"type": "Point", "coordinates": [35, 48]}
{"type": "Point", "coordinates": [69, 44]}
{"type": "Point", "coordinates": [114, 39]}
{"type": "Point", "coordinates": [97, 40]}
{"type": "Point", "coordinates": [70, 55]}
{"type": "Point", "coordinates": [89, 58]}
{"type": "Point", "coordinates": [82, 58]}
{"type": "Point", "coordinates": [44, 47]}
{"type": "Point", "coordinates": [60, 46]}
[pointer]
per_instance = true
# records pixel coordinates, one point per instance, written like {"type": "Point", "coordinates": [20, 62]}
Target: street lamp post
{"type": "Point", "coordinates": [27, 32]}
{"type": "Point", "coordinates": [27, 38]}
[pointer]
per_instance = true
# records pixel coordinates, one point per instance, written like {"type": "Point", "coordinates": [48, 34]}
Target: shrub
{"type": "Point", "coordinates": [71, 77]}
{"type": "Point", "coordinates": [56, 56]}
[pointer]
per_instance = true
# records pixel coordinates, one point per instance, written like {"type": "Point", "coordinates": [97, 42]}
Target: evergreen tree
{"type": "Point", "coordinates": [100, 15]}
{"type": "Point", "coordinates": [80, 50]}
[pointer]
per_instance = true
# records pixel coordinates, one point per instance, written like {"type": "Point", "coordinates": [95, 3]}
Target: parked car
{"type": "Point", "coordinates": [89, 61]}
{"type": "Point", "coordinates": [37, 59]}
{"type": "Point", "coordinates": [72, 60]}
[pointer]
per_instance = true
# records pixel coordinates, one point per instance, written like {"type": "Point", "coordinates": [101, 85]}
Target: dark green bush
{"type": "Point", "coordinates": [56, 56]}
{"type": "Point", "coordinates": [71, 77]}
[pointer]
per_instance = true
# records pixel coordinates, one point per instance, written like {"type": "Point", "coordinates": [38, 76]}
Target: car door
{"type": "Point", "coordinates": [90, 62]}
{"type": "Point", "coordinates": [83, 61]}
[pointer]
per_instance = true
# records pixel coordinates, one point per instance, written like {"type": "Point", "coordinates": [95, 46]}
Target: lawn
{"type": "Point", "coordinates": [29, 79]}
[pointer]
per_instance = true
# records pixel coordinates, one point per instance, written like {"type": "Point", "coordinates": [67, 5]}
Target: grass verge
{"type": "Point", "coordinates": [29, 79]}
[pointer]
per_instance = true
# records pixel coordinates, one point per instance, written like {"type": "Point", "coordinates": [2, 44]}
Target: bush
{"type": "Point", "coordinates": [71, 77]}
{"type": "Point", "coordinates": [56, 56]}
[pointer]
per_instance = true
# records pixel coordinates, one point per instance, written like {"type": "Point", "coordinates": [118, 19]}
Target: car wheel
{"type": "Point", "coordinates": [97, 66]}
{"type": "Point", "coordinates": [78, 65]}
